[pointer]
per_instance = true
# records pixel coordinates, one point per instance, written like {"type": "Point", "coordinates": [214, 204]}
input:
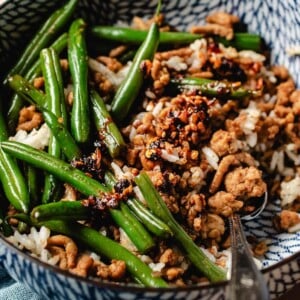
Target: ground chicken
{"type": "Point", "coordinates": [224, 143]}
{"type": "Point", "coordinates": [284, 90]}
{"type": "Point", "coordinates": [191, 206]}
{"type": "Point", "coordinates": [115, 271]}
{"type": "Point", "coordinates": [222, 18]}
{"type": "Point", "coordinates": [225, 164]}
{"type": "Point", "coordinates": [213, 227]}
{"type": "Point", "coordinates": [245, 182]}
{"type": "Point", "coordinates": [169, 257]}
{"type": "Point", "coordinates": [281, 72]}
{"type": "Point", "coordinates": [224, 204]}
{"type": "Point", "coordinates": [29, 118]}
{"type": "Point", "coordinates": [288, 219]}
{"type": "Point", "coordinates": [215, 29]}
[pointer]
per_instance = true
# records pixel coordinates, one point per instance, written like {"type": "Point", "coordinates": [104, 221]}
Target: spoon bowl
{"type": "Point", "coordinates": [246, 281]}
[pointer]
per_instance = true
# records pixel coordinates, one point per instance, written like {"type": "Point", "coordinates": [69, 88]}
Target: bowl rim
{"type": "Point", "coordinates": [122, 286]}
{"type": "Point", "coordinates": [131, 287]}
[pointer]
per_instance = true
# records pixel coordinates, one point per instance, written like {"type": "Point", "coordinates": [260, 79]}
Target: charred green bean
{"type": "Point", "coordinates": [213, 88]}
{"type": "Point", "coordinates": [55, 166]}
{"type": "Point", "coordinates": [107, 129]}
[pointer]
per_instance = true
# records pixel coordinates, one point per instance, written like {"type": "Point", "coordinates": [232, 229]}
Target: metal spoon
{"type": "Point", "coordinates": [246, 281]}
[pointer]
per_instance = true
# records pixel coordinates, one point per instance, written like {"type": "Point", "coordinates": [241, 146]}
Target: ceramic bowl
{"type": "Point", "coordinates": [278, 22]}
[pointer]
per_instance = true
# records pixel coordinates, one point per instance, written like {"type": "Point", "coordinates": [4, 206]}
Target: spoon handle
{"type": "Point", "coordinates": [246, 282]}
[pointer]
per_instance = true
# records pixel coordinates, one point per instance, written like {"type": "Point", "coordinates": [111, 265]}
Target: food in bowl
{"type": "Point", "coordinates": [204, 129]}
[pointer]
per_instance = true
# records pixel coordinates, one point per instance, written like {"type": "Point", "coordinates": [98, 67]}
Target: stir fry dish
{"type": "Point", "coordinates": [124, 149]}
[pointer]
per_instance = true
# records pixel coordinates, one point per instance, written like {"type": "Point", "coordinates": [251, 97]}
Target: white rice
{"type": "Point", "coordinates": [290, 191]}
{"type": "Point", "coordinates": [156, 267]}
{"type": "Point", "coordinates": [171, 157]}
{"type": "Point", "coordinates": [291, 152]}
{"type": "Point", "coordinates": [139, 194]}
{"type": "Point", "coordinates": [150, 94]}
{"type": "Point", "coordinates": [126, 242]}
{"type": "Point", "coordinates": [176, 63]}
{"type": "Point", "coordinates": [119, 174]}
{"type": "Point", "coordinates": [211, 156]}
{"type": "Point", "coordinates": [254, 56]}
{"type": "Point", "coordinates": [252, 117]}
{"type": "Point", "coordinates": [157, 109]}
{"type": "Point", "coordinates": [38, 139]}
{"type": "Point", "coordinates": [35, 242]}
{"type": "Point", "coordinates": [115, 78]}
{"type": "Point", "coordinates": [198, 57]}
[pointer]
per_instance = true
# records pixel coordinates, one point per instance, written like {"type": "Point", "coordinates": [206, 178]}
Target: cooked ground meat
{"type": "Point", "coordinates": [245, 182]}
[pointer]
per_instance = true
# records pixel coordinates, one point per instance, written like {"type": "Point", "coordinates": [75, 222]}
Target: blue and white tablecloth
{"type": "Point", "coordinates": [11, 290]}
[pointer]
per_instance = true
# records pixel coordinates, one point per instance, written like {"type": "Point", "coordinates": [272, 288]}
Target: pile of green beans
{"type": "Point", "coordinates": [71, 131]}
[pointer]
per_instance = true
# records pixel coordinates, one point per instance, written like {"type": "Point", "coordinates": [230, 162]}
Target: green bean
{"type": "Point", "coordinates": [55, 97]}
{"type": "Point", "coordinates": [144, 215]}
{"type": "Point", "coordinates": [107, 129]}
{"type": "Point", "coordinates": [32, 178]}
{"type": "Point", "coordinates": [78, 62]}
{"type": "Point", "coordinates": [213, 88]}
{"type": "Point", "coordinates": [59, 130]}
{"type": "Point", "coordinates": [22, 217]}
{"type": "Point", "coordinates": [133, 228]}
{"type": "Point", "coordinates": [11, 177]}
{"type": "Point", "coordinates": [48, 31]}
{"type": "Point", "coordinates": [61, 210]}
{"type": "Point", "coordinates": [193, 252]}
{"type": "Point", "coordinates": [62, 170]}
{"type": "Point", "coordinates": [17, 102]}
{"type": "Point", "coordinates": [108, 248]}
{"type": "Point", "coordinates": [109, 180]}
{"type": "Point", "coordinates": [128, 222]}
{"type": "Point", "coordinates": [22, 227]}
{"type": "Point", "coordinates": [127, 56]}
{"type": "Point", "coordinates": [131, 85]}
{"type": "Point", "coordinates": [68, 146]}
{"type": "Point", "coordinates": [150, 221]}
{"type": "Point", "coordinates": [27, 91]}
{"type": "Point", "coordinates": [126, 35]}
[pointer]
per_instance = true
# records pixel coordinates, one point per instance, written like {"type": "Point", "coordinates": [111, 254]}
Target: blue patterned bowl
{"type": "Point", "coordinates": [278, 22]}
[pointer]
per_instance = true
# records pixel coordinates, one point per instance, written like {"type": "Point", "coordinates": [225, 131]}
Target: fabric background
{"type": "Point", "coordinates": [11, 290]}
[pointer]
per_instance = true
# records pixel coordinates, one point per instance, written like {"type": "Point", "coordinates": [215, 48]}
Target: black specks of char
{"type": "Point", "coordinates": [121, 185]}
{"type": "Point", "coordinates": [229, 70]}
